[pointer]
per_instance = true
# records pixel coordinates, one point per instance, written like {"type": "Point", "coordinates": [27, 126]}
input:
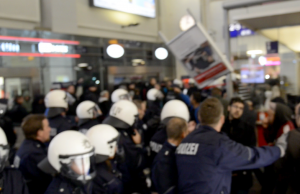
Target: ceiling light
{"type": "Point", "coordinates": [254, 52]}
{"type": "Point", "coordinates": [267, 76]}
{"type": "Point", "coordinates": [161, 53]}
{"type": "Point", "coordinates": [262, 60]}
{"type": "Point", "coordinates": [115, 51]}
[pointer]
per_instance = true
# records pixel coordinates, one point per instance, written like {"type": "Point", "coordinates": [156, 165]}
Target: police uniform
{"type": "Point", "coordinates": [83, 127]}
{"type": "Point", "coordinates": [132, 168]}
{"type": "Point", "coordinates": [157, 141]}
{"type": "Point", "coordinates": [59, 185]}
{"type": "Point", "coordinates": [12, 182]}
{"type": "Point", "coordinates": [164, 170]}
{"type": "Point", "coordinates": [206, 159]}
{"type": "Point", "coordinates": [30, 153]}
{"type": "Point", "coordinates": [107, 181]}
{"type": "Point", "coordinates": [59, 124]}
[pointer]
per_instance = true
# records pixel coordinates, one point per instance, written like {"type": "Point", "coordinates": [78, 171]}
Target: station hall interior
{"type": "Point", "coordinates": [96, 96]}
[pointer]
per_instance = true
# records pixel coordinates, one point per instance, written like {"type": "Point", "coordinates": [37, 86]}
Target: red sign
{"type": "Point", "coordinates": [210, 73]}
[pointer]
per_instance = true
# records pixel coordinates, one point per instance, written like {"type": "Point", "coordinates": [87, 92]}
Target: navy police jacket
{"type": "Point", "coordinates": [157, 141]}
{"type": "Point", "coordinates": [12, 182]}
{"type": "Point", "coordinates": [59, 124]}
{"type": "Point", "coordinates": [60, 185]}
{"type": "Point", "coordinates": [164, 170]}
{"type": "Point", "coordinates": [134, 157]}
{"type": "Point", "coordinates": [107, 181]}
{"type": "Point", "coordinates": [206, 159]}
{"type": "Point", "coordinates": [30, 153]}
{"type": "Point", "coordinates": [84, 127]}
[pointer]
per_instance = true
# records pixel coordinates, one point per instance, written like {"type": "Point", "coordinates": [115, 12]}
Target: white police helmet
{"type": "Point", "coordinates": [71, 154]}
{"type": "Point", "coordinates": [87, 110]}
{"type": "Point", "coordinates": [178, 83]}
{"type": "Point", "coordinates": [4, 149]}
{"type": "Point", "coordinates": [120, 94]}
{"type": "Point", "coordinates": [104, 138]}
{"type": "Point", "coordinates": [56, 102]}
{"type": "Point", "coordinates": [123, 115]}
{"type": "Point", "coordinates": [174, 108]}
{"type": "Point", "coordinates": [154, 94]}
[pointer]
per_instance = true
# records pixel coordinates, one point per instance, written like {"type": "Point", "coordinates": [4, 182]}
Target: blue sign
{"type": "Point", "coordinates": [272, 47]}
{"type": "Point", "coordinates": [237, 30]}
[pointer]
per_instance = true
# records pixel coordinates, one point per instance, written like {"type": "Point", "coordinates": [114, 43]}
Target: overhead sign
{"type": "Point", "coordinates": [198, 53]}
{"type": "Point", "coordinates": [272, 47]}
{"type": "Point", "coordinates": [51, 48]}
{"type": "Point", "coordinates": [9, 47]}
{"type": "Point", "coordinates": [139, 7]}
{"type": "Point", "coordinates": [237, 30]}
{"type": "Point", "coordinates": [39, 47]}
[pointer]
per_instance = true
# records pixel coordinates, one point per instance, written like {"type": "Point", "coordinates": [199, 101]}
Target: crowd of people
{"type": "Point", "coordinates": [156, 139]}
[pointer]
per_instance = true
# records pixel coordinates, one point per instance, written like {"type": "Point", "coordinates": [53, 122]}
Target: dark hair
{"type": "Point", "coordinates": [32, 124]}
{"type": "Point", "coordinates": [175, 128]}
{"type": "Point", "coordinates": [197, 96]}
{"type": "Point", "coordinates": [17, 98]}
{"type": "Point", "coordinates": [210, 111]}
{"type": "Point", "coordinates": [236, 100]}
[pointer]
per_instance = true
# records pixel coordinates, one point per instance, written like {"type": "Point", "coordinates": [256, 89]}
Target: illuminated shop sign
{"type": "Point", "coordinates": [9, 47]}
{"type": "Point", "coordinates": [237, 30]}
{"type": "Point", "coordinates": [51, 48]}
{"type": "Point", "coordinates": [40, 47]}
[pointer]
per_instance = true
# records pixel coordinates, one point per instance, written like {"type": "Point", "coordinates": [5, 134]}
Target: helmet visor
{"type": "Point", "coordinates": [95, 111]}
{"type": "Point", "coordinates": [80, 168]}
{"type": "Point", "coordinates": [4, 153]}
{"type": "Point", "coordinates": [125, 97]}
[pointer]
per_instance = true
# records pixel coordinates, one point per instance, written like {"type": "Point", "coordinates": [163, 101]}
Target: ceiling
{"type": "Point", "coordinates": [277, 21]}
{"type": "Point", "coordinates": [289, 36]}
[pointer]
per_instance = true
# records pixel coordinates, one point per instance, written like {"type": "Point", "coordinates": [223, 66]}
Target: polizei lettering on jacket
{"type": "Point", "coordinates": [188, 148]}
{"type": "Point", "coordinates": [155, 147]}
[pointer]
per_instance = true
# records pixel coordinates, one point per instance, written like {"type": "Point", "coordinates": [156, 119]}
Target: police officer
{"type": "Point", "coordinates": [164, 170]}
{"type": "Point", "coordinates": [120, 94]}
{"type": "Point", "coordinates": [56, 103]}
{"type": "Point", "coordinates": [71, 158]}
{"type": "Point", "coordinates": [152, 114]}
{"type": "Point", "coordinates": [154, 99]}
{"type": "Point", "coordinates": [124, 117]}
{"type": "Point", "coordinates": [173, 108]}
{"type": "Point", "coordinates": [87, 112]}
{"type": "Point", "coordinates": [33, 150]}
{"type": "Point", "coordinates": [11, 180]}
{"type": "Point", "coordinates": [104, 138]}
{"type": "Point", "coordinates": [206, 157]}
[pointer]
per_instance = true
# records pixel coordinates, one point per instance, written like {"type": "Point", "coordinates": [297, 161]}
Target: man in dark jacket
{"type": "Point", "coordinates": [90, 94]}
{"type": "Point", "coordinates": [164, 170]}
{"type": "Point", "coordinates": [290, 164]}
{"type": "Point", "coordinates": [18, 112]}
{"type": "Point", "coordinates": [243, 133]}
{"type": "Point", "coordinates": [206, 157]}
{"type": "Point", "coordinates": [33, 150]}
